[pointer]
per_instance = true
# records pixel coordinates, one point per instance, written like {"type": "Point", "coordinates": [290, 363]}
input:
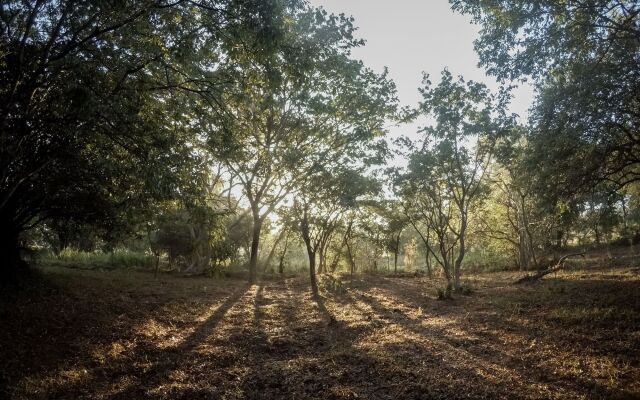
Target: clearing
{"type": "Point", "coordinates": [127, 335]}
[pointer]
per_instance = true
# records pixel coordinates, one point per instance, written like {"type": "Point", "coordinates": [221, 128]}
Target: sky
{"type": "Point", "coordinates": [412, 36]}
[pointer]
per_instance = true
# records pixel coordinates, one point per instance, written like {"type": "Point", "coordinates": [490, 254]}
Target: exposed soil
{"type": "Point", "coordinates": [124, 335]}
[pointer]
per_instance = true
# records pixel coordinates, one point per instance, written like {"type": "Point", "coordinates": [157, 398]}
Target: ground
{"type": "Point", "coordinates": [127, 335]}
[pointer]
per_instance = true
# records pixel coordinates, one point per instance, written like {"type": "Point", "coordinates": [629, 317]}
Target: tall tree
{"type": "Point", "coordinates": [92, 96]}
{"type": "Point", "coordinates": [293, 110]}
{"type": "Point", "coordinates": [449, 168]}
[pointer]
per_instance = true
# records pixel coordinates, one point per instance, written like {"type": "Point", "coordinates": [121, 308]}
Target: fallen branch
{"type": "Point", "coordinates": [557, 267]}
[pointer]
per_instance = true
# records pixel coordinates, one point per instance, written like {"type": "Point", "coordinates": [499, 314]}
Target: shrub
{"type": "Point", "coordinates": [331, 284]}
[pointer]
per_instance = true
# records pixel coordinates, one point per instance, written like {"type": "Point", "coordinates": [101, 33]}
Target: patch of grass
{"type": "Point", "coordinates": [475, 262]}
{"type": "Point", "coordinates": [123, 334]}
{"type": "Point", "coordinates": [98, 259]}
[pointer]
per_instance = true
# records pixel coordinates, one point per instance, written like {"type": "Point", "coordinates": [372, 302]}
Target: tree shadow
{"type": "Point", "coordinates": [166, 361]}
{"type": "Point", "coordinates": [479, 350]}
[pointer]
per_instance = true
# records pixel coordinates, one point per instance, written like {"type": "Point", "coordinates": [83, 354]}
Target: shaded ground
{"type": "Point", "coordinates": [118, 335]}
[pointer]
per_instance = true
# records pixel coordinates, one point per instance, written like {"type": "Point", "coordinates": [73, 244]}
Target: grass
{"type": "Point", "coordinates": [83, 259]}
{"type": "Point", "coordinates": [123, 334]}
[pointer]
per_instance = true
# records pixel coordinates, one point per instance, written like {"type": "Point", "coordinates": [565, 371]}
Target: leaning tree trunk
{"type": "Point", "coordinates": [557, 267]}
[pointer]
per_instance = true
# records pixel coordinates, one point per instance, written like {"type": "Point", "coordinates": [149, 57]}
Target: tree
{"type": "Point", "coordinates": [92, 107]}
{"type": "Point", "coordinates": [445, 176]}
{"type": "Point", "coordinates": [429, 209]}
{"type": "Point", "coordinates": [395, 223]}
{"type": "Point", "coordinates": [583, 57]}
{"type": "Point", "coordinates": [321, 206]}
{"type": "Point", "coordinates": [293, 111]}
{"type": "Point", "coordinates": [512, 214]}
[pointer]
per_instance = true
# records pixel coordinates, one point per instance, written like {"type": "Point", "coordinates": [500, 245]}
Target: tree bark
{"type": "Point", "coordinates": [395, 262]}
{"type": "Point", "coordinates": [352, 262]}
{"type": "Point", "coordinates": [522, 251]}
{"type": "Point", "coordinates": [396, 250]}
{"type": "Point", "coordinates": [266, 263]}
{"type": "Point", "coordinates": [428, 263]}
{"type": "Point", "coordinates": [255, 243]}
{"type": "Point", "coordinates": [312, 272]}
{"type": "Point", "coordinates": [461, 252]}
{"type": "Point", "coordinates": [282, 255]}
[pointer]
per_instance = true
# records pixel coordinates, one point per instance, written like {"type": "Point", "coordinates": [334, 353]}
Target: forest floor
{"type": "Point", "coordinates": [126, 335]}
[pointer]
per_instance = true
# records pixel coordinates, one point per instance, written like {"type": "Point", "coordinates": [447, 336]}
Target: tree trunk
{"type": "Point", "coordinates": [282, 255]}
{"type": "Point", "coordinates": [445, 258]}
{"type": "Point", "coordinates": [201, 254]}
{"type": "Point", "coordinates": [531, 255]}
{"type": "Point", "coordinates": [522, 252]}
{"type": "Point", "coordinates": [255, 243]}
{"type": "Point", "coordinates": [458, 263]}
{"type": "Point", "coordinates": [10, 262]}
{"type": "Point", "coordinates": [157, 266]}
{"type": "Point", "coordinates": [428, 263]}
{"type": "Point", "coordinates": [461, 249]}
{"type": "Point", "coordinates": [352, 262]}
{"type": "Point", "coordinates": [395, 262]}
{"type": "Point", "coordinates": [557, 267]}
{"type": "Point", "coordinates": [446, 269]}
{"type": "Point", "coordinates": [395, 254]}
{"type": "Point", "coordinates": [625, 226]}
{"type": "Point", "coordinates": [272, 253]}
{"type": "Point", "coordinates": [312, 272]}
{"type": "Point", "coordinates": [321, 268]}
{"type": "Point", "coordinates": [559, 236]}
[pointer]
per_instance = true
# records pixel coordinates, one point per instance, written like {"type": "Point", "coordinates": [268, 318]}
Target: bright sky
{"type": "Point", "coordinates": [411, 36]}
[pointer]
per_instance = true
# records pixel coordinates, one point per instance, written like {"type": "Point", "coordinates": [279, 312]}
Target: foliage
{"type": "Point", "coordinates": [445, 175]}
{"type": "Point", "coordinates": [297, 111]}
{"type": "Point", "coordinates": [92, 108]}
{"type": "Point", "coordinates": [583, 57]}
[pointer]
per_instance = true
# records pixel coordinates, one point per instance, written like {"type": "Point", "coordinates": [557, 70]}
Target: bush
{"type": "Point", "coordinates": [331, 284]}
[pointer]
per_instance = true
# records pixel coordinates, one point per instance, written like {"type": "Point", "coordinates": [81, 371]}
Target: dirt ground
{"type": "Point", "coordinates": [127, 335]}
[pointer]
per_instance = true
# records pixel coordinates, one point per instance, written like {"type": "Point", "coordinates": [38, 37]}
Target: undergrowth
{"type": "Point", "coordinates": [117, 258]}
